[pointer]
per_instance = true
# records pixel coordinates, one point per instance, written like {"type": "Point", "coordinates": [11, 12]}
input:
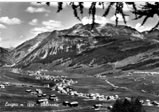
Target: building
{"type": "Point", "coordinates": [39, 91]}
{"type": "Point", "coordinates": [66, 103]}
{"type": "Point", "coordinates": [28, 90]}
{"type": "Point", "coordinates": [97, 106]}
{"type": "Point", "coordinates": [73, 104]}
{"type": "Point", "coordinates": [2, 86]}
{"type": "Point", "coordinates": [53, 98]}
{"type": "Point", "coordinates": [43, 101]}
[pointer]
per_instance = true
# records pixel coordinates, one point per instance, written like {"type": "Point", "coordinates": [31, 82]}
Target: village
{"type": "Point", "coordinates": [61, 84]}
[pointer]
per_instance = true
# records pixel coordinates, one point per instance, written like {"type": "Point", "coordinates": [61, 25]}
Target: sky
{"type": "Point", "coordinates": [21, 21]}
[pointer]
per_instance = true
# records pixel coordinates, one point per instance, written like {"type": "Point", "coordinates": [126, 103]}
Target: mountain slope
{"type": "Point", "coordinates": [27, 47]}
{"type": "Point", "coordinates": [83, 45]}
{"type": "Point", "coordinates": [5, 57]}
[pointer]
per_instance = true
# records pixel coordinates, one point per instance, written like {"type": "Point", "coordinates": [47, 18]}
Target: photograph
{"type": "Point", "coordinates": [79, 56]}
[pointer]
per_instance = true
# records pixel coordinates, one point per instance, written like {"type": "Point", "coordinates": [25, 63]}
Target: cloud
{"type": "Point", "coordinates": [37, 10]}
{"type": "Point", "coordinates": [2, 26]}
{"type": "Point", "coordinates": [113, 18]}
{"type": "Point", "coordinates": [9, 21]}
{"type": "Point", "coordinates": [98, 19]}
{"type": "Point", "coordinates": [52, 23]}
{"type": "Point", "coordinates": [0, 39]}
{"type": "Point", "coordinates": [141, 28]}
{"type": "Point", "coordinates": [139, 4]}
{"type": "Point", "coordinates": [38, 30]}
{"type": "Point", "coordinates": [47, 26]}
{"type": "Point", "coordinates": [33, 22]}
{"type": "Point", "coordinates": [127, 8]}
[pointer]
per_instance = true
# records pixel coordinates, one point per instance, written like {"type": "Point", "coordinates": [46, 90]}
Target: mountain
{"type": "Point", "coordinates": [153, 34]}
{"type": "Point", "coordinates": [27, 47]}
{"type": "Point", "coordinates": [82, 45]}
{"type": "Point", "coordinates": [5, 57]}
{"type": "Point", "coordinates": [148, 59]}
{"type": "Point", "coordinates": [120, 47]}
{"type": "Point", "coordinates": [102, 30]}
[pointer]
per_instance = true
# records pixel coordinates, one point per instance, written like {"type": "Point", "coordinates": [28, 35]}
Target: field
{"type": "Point", "coordinates": [125, 84]}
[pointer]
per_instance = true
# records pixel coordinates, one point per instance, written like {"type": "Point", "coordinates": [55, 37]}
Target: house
{"type": "Point", "coordinates": [52, 95]}
{"type": "Point", "coordinates": [110, 107]}
{"type": "Point", "coordinates": [39, 95]}
{"type": "Point", "coordinates": [47, 85]}
{"type": "Point", "coordinates": [2, 86]}
{"type": "Point", "coordinates": [28, 90]}
{"type": "Point", "coordinates": [6, 83]}
{"type": "Point", "coordinates": [66, 103]}
{"type": "Point", "coordinates": [97, 106]}
{"type": "Point", "coordinates": [43, 101]}
{"type": "Point", "coordinates": [39, 91]}
{"type": "Point", "coordinates": [33, 93]}
{"type": "Point", "coordinates": [53, 98]}
{"type": "Point", "coordinates": [155, 103]}
{"type": "Point", "coordinates": [30, 104]}
{"type": "Point", "coordinates": [142, 101]}
{"type": "Point", "coordinates": [116, 96]}
{"type": "Point", "coordinates": [73, 104]}
{"type": "Point", "coordinates": [44, 95]}
{"type": "Point", "coordinates": [147, 103]}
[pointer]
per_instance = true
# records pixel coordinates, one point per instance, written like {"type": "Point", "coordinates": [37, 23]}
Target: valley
{"type": "Point", "coordinates": [82, 70]}
{"type": "Point", "coordinates": [19, 92]}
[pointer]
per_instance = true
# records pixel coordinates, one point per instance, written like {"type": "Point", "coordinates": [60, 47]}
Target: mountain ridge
{"type": "Point", "coordinates": [82, 45]}
{"type": "Point", "coordinates": [78, 36]}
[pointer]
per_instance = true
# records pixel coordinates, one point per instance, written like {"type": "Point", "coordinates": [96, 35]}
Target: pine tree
{"type": "Point", "coordinates": [147, 11]}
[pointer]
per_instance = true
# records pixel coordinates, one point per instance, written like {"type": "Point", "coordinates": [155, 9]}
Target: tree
{"type": "Point", "coordinates": [126, 105]}
{"type": "Point", "coordinates": [148, 10]}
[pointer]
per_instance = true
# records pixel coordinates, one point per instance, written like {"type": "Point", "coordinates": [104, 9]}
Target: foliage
{"type": "Point", "coordinates": [147, 11]}
{"type": "Point", "coordinates": [59, 6]}
{"type": "Point", "coordinates": [127, 105]}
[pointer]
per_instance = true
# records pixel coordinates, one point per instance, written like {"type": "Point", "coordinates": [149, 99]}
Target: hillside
{"type": "Point", "coordinates": [71, 44]}
{"type": "Point", "coordinates": [5, 57]}
{"type": "Point", "coordinates": [121, 47]}
{"type": "Point", "coordinates": [27, 47]}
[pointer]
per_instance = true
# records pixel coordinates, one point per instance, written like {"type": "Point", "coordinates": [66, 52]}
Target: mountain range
{"type": "Point", "coordinates": [120, 47]}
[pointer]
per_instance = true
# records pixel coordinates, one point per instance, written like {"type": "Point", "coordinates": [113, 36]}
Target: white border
{"type": "Point", "coordinates": [78, 1]}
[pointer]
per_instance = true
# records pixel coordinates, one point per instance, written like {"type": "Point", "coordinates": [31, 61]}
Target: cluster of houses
{"type": "Point", "coordinates": [4, 84]}
{"type": "Point", "coordinates": [40, 75]}
{"type": "Point", "coordinates": [97, 96]}
{"type": "Point", "coordinates": [63, 86]}
{"type": "Point", "coordinates": [70, 104]}
{"type": "Point", "coordinates": [43, 97]}
{"type": "Point", "coordinates": [148, 102]}
{"type": "Point", "coordinates": [100, 76]}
